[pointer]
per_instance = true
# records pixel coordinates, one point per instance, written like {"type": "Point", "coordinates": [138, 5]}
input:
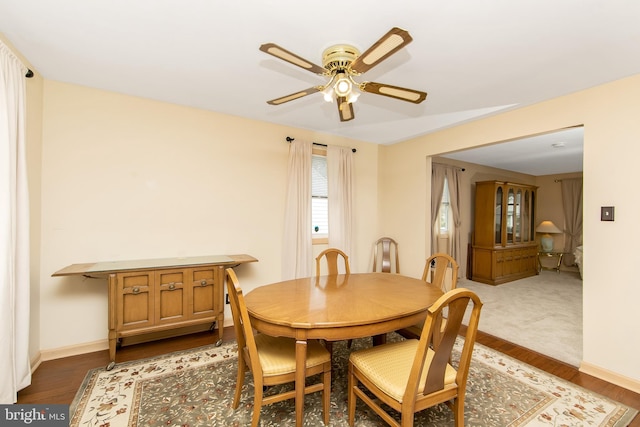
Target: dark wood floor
{"type": "Point", "coordinates": [56, 381]}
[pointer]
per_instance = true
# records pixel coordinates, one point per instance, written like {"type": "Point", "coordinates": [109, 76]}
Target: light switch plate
{"type": "Point", "coordinates": [606, 213]}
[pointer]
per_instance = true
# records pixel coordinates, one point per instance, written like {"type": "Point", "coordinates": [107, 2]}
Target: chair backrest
{"type": "Point", "coordinates": [455, 302]}
{"type": "Point", "coordinates": [331, 255]}
{"type": "Point", "coordinates": [382, 250]}
{"type": "Point", "coordinates": [436, 268]}
{"type": "Point", "coordinates": [242, 324]}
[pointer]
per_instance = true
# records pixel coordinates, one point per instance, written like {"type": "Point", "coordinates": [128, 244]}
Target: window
{"type": "Point", "coordinates": [444, 212]}
{"type": "Point", "coordinates": [319, 197]}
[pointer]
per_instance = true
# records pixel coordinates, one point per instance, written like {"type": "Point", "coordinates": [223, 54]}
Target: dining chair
{"type": "Point", "coordinates": [440, 270]}
{"type": "Point", "coordinates": [272, 360]}
{"type": "Point", "coordinates": [382, 250]}
{"type": "Point", "coordinates": [410, 376]}
{"type": "Point", "coordinates": [436, 269]}
{"type": "Point", "coordinates": [332, 254]}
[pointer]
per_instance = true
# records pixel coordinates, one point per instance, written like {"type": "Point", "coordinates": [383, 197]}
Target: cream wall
{"type": "Point", "coordinates": [612, 131]}
{"type": "Point", "coordinates": [34, 171]}
{"type": "Point", "coordinates": [129, 178]}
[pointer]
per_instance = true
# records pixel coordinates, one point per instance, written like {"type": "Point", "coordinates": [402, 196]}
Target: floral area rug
{"type": "Point", "coordinates": [195, 388]}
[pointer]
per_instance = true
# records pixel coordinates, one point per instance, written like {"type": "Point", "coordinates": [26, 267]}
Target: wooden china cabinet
{"type": "Point", "coordinates": [504, 246]}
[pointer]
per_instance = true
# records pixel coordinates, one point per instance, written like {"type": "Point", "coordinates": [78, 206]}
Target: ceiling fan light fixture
{"type": "Point", "coordinates": [327, 90]}
{"type": "Point", "coordinates": [343, 85]}
{"type": "Point", "coordinates": [328, 94]}
{"type": "Point", "coordinates": [353, 96]}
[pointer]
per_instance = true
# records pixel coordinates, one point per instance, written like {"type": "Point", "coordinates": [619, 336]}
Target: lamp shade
{"type": "Point", "coordinates": [547, 228]}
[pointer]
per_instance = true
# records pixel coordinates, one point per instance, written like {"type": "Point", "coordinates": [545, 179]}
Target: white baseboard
{"type": "Point", "coordinates": [35, 362]}
{"type": "Point", "coordinates": [73, 350]}
{"type": "Point", "coordinates": [90, 347]}
{"type": "Point", "coordinates": [609, 376]}
{"type": "Point", "coordinates": [77, 349]}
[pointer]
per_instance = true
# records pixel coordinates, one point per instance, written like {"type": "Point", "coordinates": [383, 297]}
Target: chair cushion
{"type": "Point", "coordinates": [278, 354]}
{"type": "Point", "coordinates": [388, 366]}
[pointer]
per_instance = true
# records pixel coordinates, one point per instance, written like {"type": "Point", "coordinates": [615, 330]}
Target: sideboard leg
{"type": "Point", "coordinates": [112, 319]}
{"type": "Point", "coordinates": [113, 342]}
{"type": "Point", "coordinates": [218, 331]}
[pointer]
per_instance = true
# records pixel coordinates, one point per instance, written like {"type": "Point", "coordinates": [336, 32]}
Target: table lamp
{"type": "Point", "coordinates": [546, 240]}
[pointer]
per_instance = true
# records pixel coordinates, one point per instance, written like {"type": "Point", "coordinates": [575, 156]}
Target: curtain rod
{"type": "Point", "coordinates": [289, 139]}
{"type": "Point", "coordinates": [445, 164]}
{"type": "Point", "coordinates": [29, 73]}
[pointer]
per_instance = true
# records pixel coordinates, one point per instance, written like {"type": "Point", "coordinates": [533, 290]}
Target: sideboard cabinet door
{"type": "Point", "coordinates": [205, 295]}
{"type": "Point", "coordinates": [135, 305]}
{"type": "Point", "coordinates": [171, 298]}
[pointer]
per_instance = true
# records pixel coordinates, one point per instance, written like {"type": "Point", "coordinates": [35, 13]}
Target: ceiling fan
{"type": "Point", "coordinates": [341, 63]}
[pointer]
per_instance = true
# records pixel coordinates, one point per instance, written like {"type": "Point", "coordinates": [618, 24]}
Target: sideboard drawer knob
{"type": "Point", "coordinates": [203, 283]}
{"type": "Point", "coordinates": [136, 290]}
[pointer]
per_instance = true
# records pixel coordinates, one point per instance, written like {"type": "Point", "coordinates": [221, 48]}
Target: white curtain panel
{"type": "Point", "coordinates": [340, 182]}
{"type": "Point", "coordinates": [453, 180]}
{"type": "Point", "coordinates": [15, 373]}
{"type": "Point", "coordinates": [297, 254]}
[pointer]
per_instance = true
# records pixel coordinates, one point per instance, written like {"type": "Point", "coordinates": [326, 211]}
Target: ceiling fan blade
{"type": "Point", "coordinates": [388, 44]}
{"type": "Point", "coordinates": [396, 92]}
{"type": "Point", "coordinates": [285, 55]}
{"type": "Point", "coordinates": [345, 109]}
{"type": "Point", "coordinates": [294, 96]}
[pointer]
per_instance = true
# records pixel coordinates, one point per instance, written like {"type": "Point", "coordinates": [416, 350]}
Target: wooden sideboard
{"type": "Point", "coordinates": [152, 295]}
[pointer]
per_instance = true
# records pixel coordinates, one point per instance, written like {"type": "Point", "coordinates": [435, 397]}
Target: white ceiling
{"type": "Point", "coordinates": [474, 58]}
{"type": "Point", "coordinates": [547, 154]}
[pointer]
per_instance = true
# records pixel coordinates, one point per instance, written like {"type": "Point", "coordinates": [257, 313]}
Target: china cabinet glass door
{"type": "Point", "coordinates": [526, 212]}
{"type": "Point", "coordinates": [498, 213]}
{"type": "Point", "coordinates": [518, 218]}
{"type": "Point", "coordinates": [511, 199]}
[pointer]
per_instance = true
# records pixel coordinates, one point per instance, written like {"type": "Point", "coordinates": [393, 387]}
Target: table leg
{"type": "Point", "coordinates": [301, 362]}
{"type": "Point", "coordinates": [559, 262]}
{"type": "Point", "coordinates": [539, 264]}
{"type": "Point", "coordinates": [379, 339]}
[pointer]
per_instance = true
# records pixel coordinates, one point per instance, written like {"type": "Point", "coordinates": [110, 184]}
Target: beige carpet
{"type": "Point", "coordinates": [542, 313]}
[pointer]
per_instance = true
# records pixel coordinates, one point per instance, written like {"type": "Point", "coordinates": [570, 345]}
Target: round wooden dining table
{"type": "Point", "coordinates": [336, 308]}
